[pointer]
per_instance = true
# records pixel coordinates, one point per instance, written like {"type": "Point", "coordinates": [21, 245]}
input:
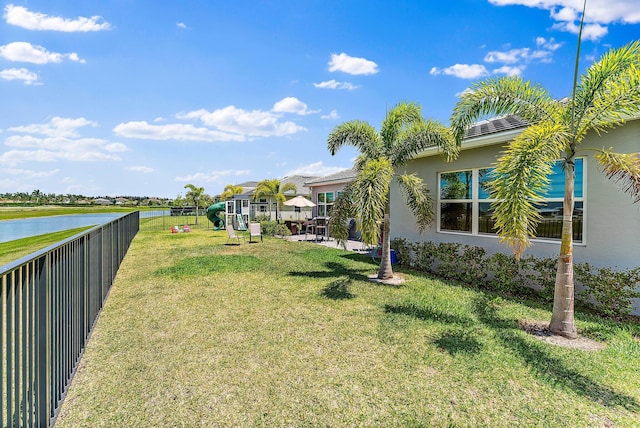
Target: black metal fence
{"type": "Point", "coordinates": [165, 219]}
{"type": "Point", "coordinates": [49, 304]}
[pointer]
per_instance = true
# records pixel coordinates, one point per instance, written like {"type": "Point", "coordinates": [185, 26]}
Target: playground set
{"type": "Point", "coordinates": [234, 212]}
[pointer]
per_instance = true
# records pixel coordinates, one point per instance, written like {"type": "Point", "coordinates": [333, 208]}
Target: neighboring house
{"type": "Point", "coordinates": [325, 190]}
{"type": "Point", "coordinates": [250, 208]}
{"type": "Point", "coordinates": [102, 201]}
{"type": "Point", "coordinates": [606, 223]}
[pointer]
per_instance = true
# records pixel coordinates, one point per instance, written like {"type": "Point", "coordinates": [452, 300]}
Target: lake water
{"type": "Point", "coordinates": [26, 227]}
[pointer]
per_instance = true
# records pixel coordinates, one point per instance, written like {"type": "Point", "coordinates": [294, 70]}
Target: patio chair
{"type": "Point", "coordinates": [232, 234]}
{"type": "Point", "coordinates": [254, 230]}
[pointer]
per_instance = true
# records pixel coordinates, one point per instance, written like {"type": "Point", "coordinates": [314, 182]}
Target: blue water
{"type": "Point", "coordinates": [27, 227]}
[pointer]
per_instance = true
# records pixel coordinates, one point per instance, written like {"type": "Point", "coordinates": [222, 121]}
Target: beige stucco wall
{"type": "Point", "coordinates": [323, 188]}
{"type": "Point", "coordinates": [612, 232]}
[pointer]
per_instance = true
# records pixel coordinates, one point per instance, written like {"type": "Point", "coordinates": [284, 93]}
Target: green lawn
{"type": "Point", "coordinates": [12, 213]}
{"type": "Point", "coordinates": [13, 250]}
{"type": "Point", "coordinates": [275, 334]}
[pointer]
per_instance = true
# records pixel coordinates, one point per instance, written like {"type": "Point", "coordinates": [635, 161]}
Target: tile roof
{"type": "Point", "coordinates": [344, 175]}
{"type": "Point", "coordinates": [493, 126]}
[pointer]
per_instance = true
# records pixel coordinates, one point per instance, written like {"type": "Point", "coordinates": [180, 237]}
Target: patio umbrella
{"type": "Point", "coordinates": [300, 202]}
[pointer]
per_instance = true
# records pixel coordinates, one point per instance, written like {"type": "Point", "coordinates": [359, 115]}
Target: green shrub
{"type": "Point", "coordinates": [608, 291]}
{"type": "Point", "coordinates": [448, 265]}
{"type": "Point", "coordinates": [473, 265]}
{"type": "Point", "coordinates": [505, 271]}
{"type": "Point", "coordinates": [273, 228]}
{"type": "Point", "coordinates": [542, 272]}
{"type": "Point", "coordinates": [402, 247]}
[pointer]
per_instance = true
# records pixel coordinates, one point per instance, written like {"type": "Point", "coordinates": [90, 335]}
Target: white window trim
{"type": "Point", "coordinates": [475, 206]}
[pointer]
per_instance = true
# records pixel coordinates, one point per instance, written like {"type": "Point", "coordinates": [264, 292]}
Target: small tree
{"type": "Point", "coordinates": [607, 94]}
{"type": "Point", "coordinates": [230, 190]}
{"type": "Point", "coordinates": [404, 133]}
{"type": "Point", "coordinates": [273, 189]}
{"type": "Point", "coordinates": [194, 195]}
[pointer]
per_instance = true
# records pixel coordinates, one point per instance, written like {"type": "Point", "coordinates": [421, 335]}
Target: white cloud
{"type": "Point", "coordinates": [599, 13]}
{"type": "Point", "coordinates": [333, 84]}
{"type": "Point", "coordinates": [56, 127]}
{"type": "Point", "coordinates": [589, 31]}
{"type": "Point", "coordinates": [22, 17]}
{"type": "Point", "coordinates": [143, 169]}
{"type": "Point", "coordinates": [333, 115]}
{"type": "Point", "coordinates": [508, 57]}
{"type": "Point", "coordinates": [26, 52]}
{"type": "Point", "coordinates": [515, 61]}
{"type": "Point", "coordinates": [508, 70]}
{"type": "Point", "coordinates": [27, 77]}
{"type": "Point", "coordinates": [61, 141]}
{"type": "Point", "coordinates": [462, 71]}
{"type": "Point", "coordinates": [255, 123]}
{"type": "Point", "coordinates": [172, 131]}
{"type": "Point", "coordinates": [316, 168]}
{"type": "Point", "coordinates": [352, 65]}
{"type": "Point", "coordinates": [181, 25]}
{"type": "Point", "coordinates": [292, 105]}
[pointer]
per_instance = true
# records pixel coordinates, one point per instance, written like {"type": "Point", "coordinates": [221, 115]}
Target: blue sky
{"type": "Point", "coordinates": [122, 97]}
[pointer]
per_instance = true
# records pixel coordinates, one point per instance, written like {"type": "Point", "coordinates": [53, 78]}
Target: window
{"type": "Point", "coordinates": [464, 203]}
{"type": "Point", "coordinates": [325, 203]}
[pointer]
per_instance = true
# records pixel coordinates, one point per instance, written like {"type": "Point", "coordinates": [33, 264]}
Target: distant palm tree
{"type": "Point", "coordinates": [273, 189]}
{"type": "Point", "coordinates": [404, 133]}
{"type": "Point", "coordinates": [230, 190]}
{"type": "Point", "coordinates": [606, 94]}
{"type": "Point", "coordinates": [194, 194]}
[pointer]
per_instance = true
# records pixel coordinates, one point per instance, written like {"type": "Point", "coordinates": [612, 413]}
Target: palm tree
{"type": "Point", "coordinates": [605, 95]}
{"type": "Point", "coordinates": [404, 133]}
{"type": "Point", "coordinates": [273, 189]}
{"type": "Point", "coordinates": [194, 194]}
{"type": "Point", "coordinates": [230, 190]}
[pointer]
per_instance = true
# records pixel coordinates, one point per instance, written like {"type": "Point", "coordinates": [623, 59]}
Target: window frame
{"type": "Point", "coordinates": [475, 201]}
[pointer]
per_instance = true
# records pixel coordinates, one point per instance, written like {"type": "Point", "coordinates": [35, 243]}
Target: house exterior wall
{"type": "Point", "coordinates": [612, 223]}
{"type": "Point", "coordinates": [323, 188]}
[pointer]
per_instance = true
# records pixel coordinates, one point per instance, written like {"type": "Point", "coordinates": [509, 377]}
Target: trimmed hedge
{"type": "Point", "coordinates": [604, 290]}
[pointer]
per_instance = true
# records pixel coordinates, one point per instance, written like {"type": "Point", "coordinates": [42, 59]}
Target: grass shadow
{"type": "Point", "coordinates": [338, 290]}
{"type": "Point", "coordinates": [548, 368]}
{"type": "Point", "coordinates": [334, 270]}
{"type": "Point", "coordinates": [428, 314]}
{"type": "Point", "coordinates": [458, 342]}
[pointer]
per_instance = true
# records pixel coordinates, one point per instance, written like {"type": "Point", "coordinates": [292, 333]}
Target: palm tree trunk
{"type": "Point", "coordinates": [562, 321]}
{"type": "Point", "coordinates": [385, 270]}
{"type": "Point", "coordinates": [197, 209]}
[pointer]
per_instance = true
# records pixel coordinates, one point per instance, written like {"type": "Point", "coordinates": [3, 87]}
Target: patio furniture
{"type": "Point", "coordinates": [232, 234]}
{"type": "Point", "coordinates": [254, 230]}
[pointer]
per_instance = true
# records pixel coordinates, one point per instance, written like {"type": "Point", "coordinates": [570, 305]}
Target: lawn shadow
{"type": "Point", "coordinates": [427, 314]}
{"type": "Point", "coordinates": [334, 270]}
{"type": "Point", "coordinates": [548, 368]}
{"type": "Point", "coordinates": [339, 290]}
{"type": "Point", "coordinates": [458, 342]}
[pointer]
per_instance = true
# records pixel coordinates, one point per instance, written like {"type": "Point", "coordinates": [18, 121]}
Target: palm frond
{"type": "Point", "coordinates": [623, 169]}
{"type": "Point", "coordinates": [343, 210]}
{"type": "Point", "coordinates": [419, 199]}
{"type": "Point", "coordinates": [401, 116]}
{"type": "Point", "coordinates": [609, 91]}
{"type": "Point", "coordinates": [371, 196]}
{"type": "Point", "coordinates": [519, 180]}
{"type": "Point", "coordinates": [421, 136]}
{"type": "Point", "coordinates": [358, 134]}
{"type": "Point", "coordinates": [507, 95]}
